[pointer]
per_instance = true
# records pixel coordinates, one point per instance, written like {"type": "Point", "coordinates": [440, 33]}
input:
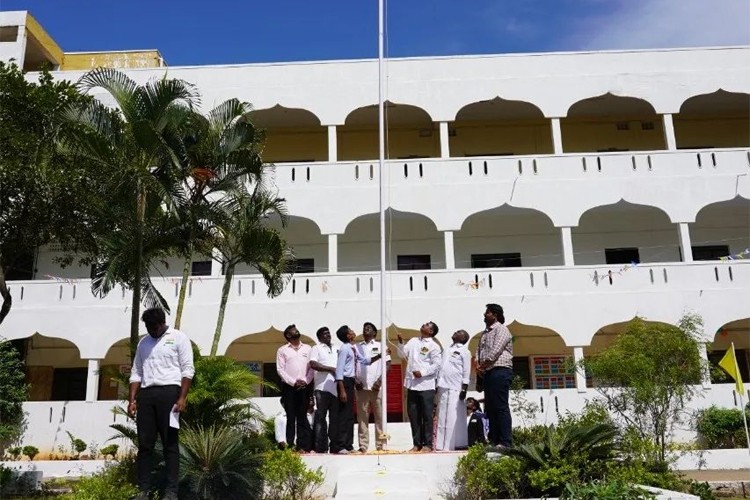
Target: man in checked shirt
{"type": "Point", "coordinates": [495, 370]}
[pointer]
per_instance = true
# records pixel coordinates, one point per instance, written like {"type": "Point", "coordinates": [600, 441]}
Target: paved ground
{"type": "Point", "coordinates": [718, 475]}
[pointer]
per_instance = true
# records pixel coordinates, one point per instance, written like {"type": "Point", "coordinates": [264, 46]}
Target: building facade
{"type": "Point", "coordinates": [578, 190]}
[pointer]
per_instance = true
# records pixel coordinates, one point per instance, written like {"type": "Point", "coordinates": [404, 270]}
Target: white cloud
{"type": "Point", "coordinates": [642, 24]}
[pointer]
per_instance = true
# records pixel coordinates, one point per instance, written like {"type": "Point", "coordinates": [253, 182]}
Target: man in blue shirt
{"type": "Point", "coordinates": [347, 368]}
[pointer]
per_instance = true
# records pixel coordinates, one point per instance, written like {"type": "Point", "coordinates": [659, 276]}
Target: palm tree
{"type": "Point", "coordinates": [221, 155]}
{"type": "Point", "coordinates": [244, 235]}
{"type": "Point", "coordinates": [140, 138]}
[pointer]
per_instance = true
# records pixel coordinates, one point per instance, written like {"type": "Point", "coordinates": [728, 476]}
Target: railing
{"type": "Point", "coordinates": [408, 284]}
{"type": "Point", "coordinates": [494, 168]}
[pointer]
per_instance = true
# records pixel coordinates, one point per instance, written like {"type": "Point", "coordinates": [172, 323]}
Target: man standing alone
{"type": "Point", "coordinates": [323, 360]}
{"type": "Point", "coordinates": [451, 392]}
{"type": "Point", "coordinates": [292, 365]}
{"type": "Point", "coordinates": [159, 383]}
{"type": "Point", "coordinates": [369, 390]}
{"type": "Point", "coordinates": [422, 356]}
{"type": "Point", "coordinates": [495, 358]}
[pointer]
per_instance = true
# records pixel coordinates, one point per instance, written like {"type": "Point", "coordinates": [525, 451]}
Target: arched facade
{"type": "Point", "coordinates": [734, 332]}
{"type": "Point", "coordinates": [54, 368]}
{"type": "Point", "coordinates": [291, 134]}
{"type": "Point", "coordinates": [612, 123]}
{"type": "Point", "coordinates": [721, 229]}
{"type": "Point", "coordinates": [720, 119]}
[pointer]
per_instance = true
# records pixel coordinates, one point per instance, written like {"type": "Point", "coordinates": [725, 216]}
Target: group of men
{"type": "Point", "coordinates": [334, 379]}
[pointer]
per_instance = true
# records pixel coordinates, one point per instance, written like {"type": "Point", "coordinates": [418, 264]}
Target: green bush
{"type": "Point", "coordinates": [30, 451]}
{"type": "Point", "coordinates": [721, 427]}
{"type": "Point", "coordinates": [13, 386]}
{"type": "Point", "coordinates": [609, 490]}
{"type": "Point", "coordinates": [527, 435]}
{"type": "Point", "coordinates": [14, 452]}
{"type": "Point", "coordinates": [478, 476]}
{"type": "Point", "coordinates": [111, 483]}
{"type": "Point", "coordinates": [288, 478]}
{"type": "Point", "coordinates": [109, 451]}
{"type": "Point", "coordinates": [77, 446]}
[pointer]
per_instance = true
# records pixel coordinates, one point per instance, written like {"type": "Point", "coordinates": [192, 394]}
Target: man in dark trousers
{"type": "Point", "coordinates": [159, 384]}
{"type": "Point", "coordinates": [495, 372]}
{"type": "Point", "coordinates": [293, 366]}
{"type": "Point", "coordinates": [323, 359]}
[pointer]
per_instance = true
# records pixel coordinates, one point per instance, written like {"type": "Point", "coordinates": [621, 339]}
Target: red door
{"type": "Point", "coordinates": [395, 401]}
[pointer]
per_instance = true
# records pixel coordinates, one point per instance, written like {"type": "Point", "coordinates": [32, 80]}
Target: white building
{"type": "Point", "coordinates": [530, 180]}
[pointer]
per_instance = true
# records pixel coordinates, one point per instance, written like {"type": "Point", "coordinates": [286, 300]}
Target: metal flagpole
{"type": "Point", "coordinates": [742, 400]}
{"type": "Point", "coordinates": [382, 184]}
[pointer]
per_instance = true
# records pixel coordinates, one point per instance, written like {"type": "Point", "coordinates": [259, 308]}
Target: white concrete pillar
{"type": "Point", "coordinates": [669, 137]}
{"type": "Point", "coordinates": [92, 381]}
{"type": "Point", "coordinates": [332, 144]}
{"type": "Point", "coordinates": [706, 372]}
{"type": "Point", "coordinates": [445, 145]}
{"type": "Point", "coordinates": [450, 257]}
{"type": "Point", "coordinates": [580, 372]}
{"type": "Point", "coordinates": [333, 253]}
{"type": "Point", "coordinates": [216, 263]}
{"type": "Point", "coordinates": [685, 245]}
{"type": "Point", "coordinates": [567, 243]}
{"type": "Point", "coordinates": [557, 143]}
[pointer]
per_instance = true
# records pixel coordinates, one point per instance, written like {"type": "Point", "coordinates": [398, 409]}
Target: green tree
{"type": "Point", "coordinates": [648, 375]}
{"type": "Point", "coordinates": [140, 142]}
{"type": "Point", "coordinates": [14, 391]}
{"type": "Point", "coordinates": [221, 155]}
{"type": "Point", "coordinates": [46, 197]}
{"type": "Point", "coordinates": [244, 234]}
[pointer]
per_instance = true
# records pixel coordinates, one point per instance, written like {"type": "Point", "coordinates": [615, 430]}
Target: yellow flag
{"type": "Point", "coordinates": [729, 363]}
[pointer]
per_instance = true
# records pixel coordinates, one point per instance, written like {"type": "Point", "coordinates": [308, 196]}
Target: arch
{"type": "Point", "coordinates": [612, 123]}
{"type": "Point", "coordinates": [606, 335]}
{"type": "Point", "coordinates": [507, 230]}
{"type": "Point", "coordinates": [735, 332]}
{"type": "Point", "coordinates": [721, 229]}
{"type": "Point", "coordinates": [54, 368]}
{"type": "Point", "coordinates": [499, 127]}
{"type": "Point", "coordinates": [644, 232]}
{"type": "Point", "coordinates": [716, 120]}
{"type": "Point", "coordinates": [409, 233]}
{"type": "Point", "coordinates": [292, 134]}
{"type": "Point", "coordinates": [411, 133]}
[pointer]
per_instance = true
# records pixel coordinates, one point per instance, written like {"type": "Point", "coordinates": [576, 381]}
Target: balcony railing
{"type": "Point", "coordinates": [410, 284]}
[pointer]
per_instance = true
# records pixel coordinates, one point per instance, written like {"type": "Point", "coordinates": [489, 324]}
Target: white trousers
{"type": "Point", "coordinates": [451, 426]}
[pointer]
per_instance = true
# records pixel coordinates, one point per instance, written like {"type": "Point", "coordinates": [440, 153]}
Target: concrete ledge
{"type": "Point", "coordinates": [733, 459]}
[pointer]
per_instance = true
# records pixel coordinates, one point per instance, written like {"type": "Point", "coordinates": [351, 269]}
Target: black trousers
{"type": "Point", "coordinates": [154, 404]}
{"type": "Point", "coordinates": [496, 405]}
{"type": "Point", "coordinates": [420, 406]}
{"type": "Point", "coordinates": [325, 434]}
{"type": "Point", "coordinates": [344, 421]}
{"type": "Point", "coordinates": [296, 402]}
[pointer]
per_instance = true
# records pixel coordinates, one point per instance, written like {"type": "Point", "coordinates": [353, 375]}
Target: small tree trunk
{"type": "Point", "coordinates": [7, 297]}
{"type": "Point", "coordinates": [229, 274]}
{"type": "Point", "coordinates": [183, 290]}
{"type": "Point", "coordinates": [136, 303]}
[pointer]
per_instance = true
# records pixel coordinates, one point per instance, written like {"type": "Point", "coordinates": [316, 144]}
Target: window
{"type": "Point", "coordinates": [521, 370]}
{"type": "Point", "coordinates": [69, 384]}
{"type": "Point", "coordinates": [482, 260]}
{"type": "Point", "coordinates": [710, 252]}
{"type": "Point", "coordinates": [304, 266]}
{"type": "Point", "coordinates": [271, 375]}
{"type": "Point", "coordinates": [622, 255]}
{"type": "Point", "coordinates": [412, 262]}
{"type": "Point", "coordinates": [8, 33]}
{"type": "Point", "coordinates": [22, 268]}
{"type": "Point", "coordinates": [552, 372]}
{"type": "Point", "coordinates": [201, 268]}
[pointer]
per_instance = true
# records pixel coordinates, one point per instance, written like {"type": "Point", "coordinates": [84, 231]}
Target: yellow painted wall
{"type": "Point", "coordinates": [296, 144]}
{"type": "Point", "coordinates": [125, 59]}
{"type": "Point", "coordinates": [52, 50]}
{"type": "Point", "coordinates": [712, 131]}
{"type": "Point", "coordinates": [497, 138]}
{"type": "Point", "coordinates": [361, 143]}
{"type": "Point", "coordinates": [591, 135]}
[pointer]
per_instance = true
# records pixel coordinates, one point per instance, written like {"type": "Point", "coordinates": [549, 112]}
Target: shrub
{"type": "Point", "coordinates": [77, 446]}
{"type": "Point", "coordinates": [30, 451]}
{"type": "Point", "coordinates": [14, 389]}
{"type": "Point", "coordinates": [219, 463]}
{"type": "Point", "coordinates": [610, 490]}
{"type": "Point", "coordinates": [109, 451]}
{"type": "Point", "coordinates": [287, 478]}
{"type": "Point", "coordinates": [111, 483]}
{"type": "Point", "coordinates": [527, 435]}
{"type": "Point", "coordinates": [14, 452]}
{"type": "Point", "coordinates": [478, 476]}
{"type": "Point", "coordinates": [721, 427]}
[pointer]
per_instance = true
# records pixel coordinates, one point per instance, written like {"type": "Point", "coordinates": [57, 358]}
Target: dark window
{"type": "Point", "coordinates": [8, 33]}
{"type": "Point", "coordinates": [22, 268]}
{"type": "Point", "coordinates": [710, 252]}
{"type": "Point", "coordinates": [742, 361]}
{"type": "Point", "coordinates": [304, 266]}
{"type": "Point", "coordinates": [412, 262]}
{"type": "Point", "coordinates": [622, 255]}
{"type": "Point", "coordinates": [521, 370]}
{"type": "Point", "coordinates": [69, 384]}
{"type": "Point", "coordinates": [271, 375]}
{"type": "Point", "coordinates": [482, 260]}
{"type": "Point", "coordinates": [201, 268]}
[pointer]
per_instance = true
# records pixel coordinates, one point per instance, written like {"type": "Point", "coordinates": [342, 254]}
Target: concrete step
{"type": "Point", "coordinates": [383, 482]}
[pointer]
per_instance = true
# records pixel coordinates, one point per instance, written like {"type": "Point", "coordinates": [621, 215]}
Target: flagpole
{"type": "Point", "coordinates": [742, 400]}
{"type": "Point", "coordinates": [381, 186]}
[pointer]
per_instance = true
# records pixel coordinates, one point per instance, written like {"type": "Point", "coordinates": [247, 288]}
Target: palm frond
{"type": "Point", "coordinates": [122, 88]}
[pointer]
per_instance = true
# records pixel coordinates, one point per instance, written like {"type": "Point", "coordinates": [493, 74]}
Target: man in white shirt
{"type": "Point", "coordinates": [423, 360]}
{"type": "Point", "coordinates": [452, 384]}
{"type": "Point", "coordinates": [323, 358]}
{"type": "Point", "coordinates": [159, 383]}
{"type": "Point", "coordinates": [369, 390]}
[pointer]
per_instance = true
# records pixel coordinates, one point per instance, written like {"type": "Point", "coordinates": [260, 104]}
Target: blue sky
{"type": "Point", "coordinates": [224, 31]}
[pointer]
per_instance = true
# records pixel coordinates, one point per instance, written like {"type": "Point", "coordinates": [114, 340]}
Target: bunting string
{"type": "Point", "coordinates": [737, 256]}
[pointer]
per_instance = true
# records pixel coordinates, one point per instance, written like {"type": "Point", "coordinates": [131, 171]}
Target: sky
{"type": "Point", "coordinates": [244, 31]}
